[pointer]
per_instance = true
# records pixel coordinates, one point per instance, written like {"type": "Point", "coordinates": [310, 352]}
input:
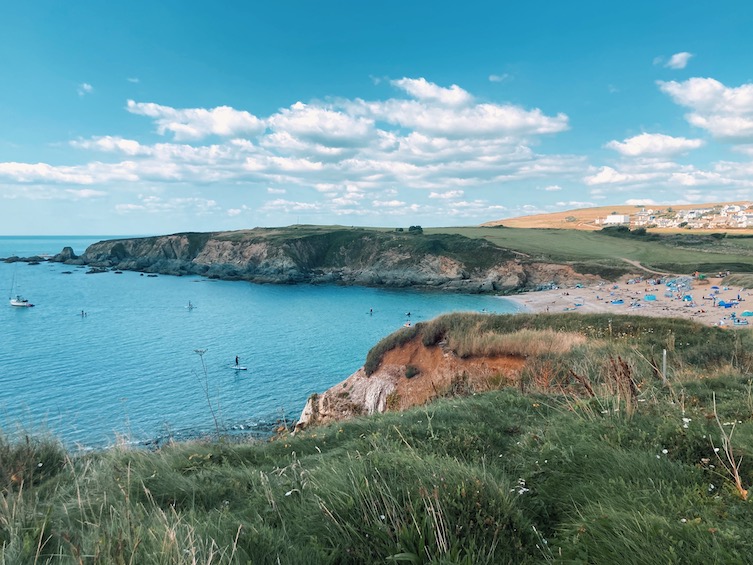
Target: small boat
{"type": "Point", "coordinates": [20, 302]}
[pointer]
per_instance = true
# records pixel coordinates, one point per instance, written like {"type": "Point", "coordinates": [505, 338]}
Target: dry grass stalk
{"type": "Point", "coordinates": [729, 462]}
{"type": "Point", "coordinates": [584, 382]}
{"type": "Point", "coordinates": [522, 343]}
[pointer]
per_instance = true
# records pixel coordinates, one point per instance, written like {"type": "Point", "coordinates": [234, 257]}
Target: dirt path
{"type": "Point", "coordinates": [638, 265]}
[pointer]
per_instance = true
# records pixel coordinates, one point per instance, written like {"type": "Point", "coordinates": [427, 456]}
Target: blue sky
{"type": "Point", "coordinates": [149, 117]}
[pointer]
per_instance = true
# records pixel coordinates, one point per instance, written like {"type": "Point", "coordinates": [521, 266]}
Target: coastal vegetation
{"type": "Point", "coordinates": [596, 455]}
{"type": "Point", "coordinates": [461, 259]}
{"type": "Point", "coordinates": [594, 250]}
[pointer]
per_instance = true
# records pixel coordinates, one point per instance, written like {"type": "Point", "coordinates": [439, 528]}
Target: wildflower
{"type": "Point", "coordinates": [685, 422]}
{"type": "Point", "coordinates": [711, 487]}
{"type": "Point", "coordinates": [665, 451]}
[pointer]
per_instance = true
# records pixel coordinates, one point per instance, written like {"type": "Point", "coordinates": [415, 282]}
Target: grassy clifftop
{"type": "Point", "coordinates": [592, 459]}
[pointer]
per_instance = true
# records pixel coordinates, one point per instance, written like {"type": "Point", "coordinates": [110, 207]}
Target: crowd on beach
{"type": "Point", "coordinates": [706, 300]}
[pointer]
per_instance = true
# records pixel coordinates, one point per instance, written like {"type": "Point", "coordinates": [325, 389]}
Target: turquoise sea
{"type": "Point", "coordinates": [128, 369]}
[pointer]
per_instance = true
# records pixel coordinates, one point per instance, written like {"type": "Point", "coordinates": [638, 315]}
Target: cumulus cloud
{"type": "Point", "coordinates": [421, 89]}
{"type": "Point", "coordinates": [678, 60]}
{"type": "Point", "coordinates": [609, 175]}
{"type": "Point", "coordinates": [84, 88]}
{"type": "Point", "coordinates": [198, 123]}
{"type": "Point", "coordinates": [83, 193]}
{"type": "Point", "coordinates": [552, 188]}
{"type": "Point", "coordinates": [479, 120]}
{"type": "Point", "coordinates": [654, 144]}
{"type": "Point", "coordinates": [112, 144]}
{"type": "Point", "coordinates": [322, 126]}
{"type": "Point", "coordinates": [499, 78]}
{"type": "Point", "coordinates": [448, 195]}
{"type": "Point", "coordinates": [725, 112]}
{"type": "Point", "coordinates": [345, 155]}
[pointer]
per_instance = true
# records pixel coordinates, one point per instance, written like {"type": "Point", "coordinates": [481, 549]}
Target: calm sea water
{"type": "Point", "coordinates": [129, 367]}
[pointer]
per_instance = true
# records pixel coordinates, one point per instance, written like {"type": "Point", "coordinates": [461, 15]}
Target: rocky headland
{"type": "Point", "coordinates": [348, 256]}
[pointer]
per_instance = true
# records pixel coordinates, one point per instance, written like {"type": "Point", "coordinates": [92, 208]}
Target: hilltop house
{"type": "Point", "coordinates": [616, 220]}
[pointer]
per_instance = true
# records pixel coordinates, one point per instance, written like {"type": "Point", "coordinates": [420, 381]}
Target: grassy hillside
{"type": "Point", "coordinates": [591, 459]}
{"type": "Point", "coordinates": [592, 252]}
{"type": "Point", "coordinates": [682, 253]}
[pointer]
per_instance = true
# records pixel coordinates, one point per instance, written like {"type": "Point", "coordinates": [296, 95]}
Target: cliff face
{"type": "Point", "coordinates": [409, 375]}
{"type": "Point", "coordinates": [342, 256]}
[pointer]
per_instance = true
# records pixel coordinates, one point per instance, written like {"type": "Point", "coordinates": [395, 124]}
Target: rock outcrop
{"type": "Point", "coordinates": [337, 255]}
{"type": "Point", "coordinates": [409, 375]}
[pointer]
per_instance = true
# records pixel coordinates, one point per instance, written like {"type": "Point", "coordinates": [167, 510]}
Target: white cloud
{"type": "Point", "coordinates": [112, 144]}
{"type": "Point", "coordinates": [133, 80]}
{"type": "Point", "coordinates": [83, 193]}
{"type": "Point", "coordinates": [609, 175]}
{"type": "Point", "coordinates": [725, 112]}
{"type": "Point", "coordinates": [552, 188]}
{"type": "Point", "coordinates": [499, 78]}
{"type": "Point", "coordinates": [198, 123]}
{"type": "Point", "coordinates": [84, 88]}
{"type": "Point", "coordinates": [421, 89]}
{"type": "Point", "coordinates": [448, 195]}
{"type": "Point", "coordinates": [342, 157]}
{"type": "Point", "coordinates": [654, 144]}
{"type": "Point", "coordinates": [153, 204]}
{"type": "Point", "coordinates": [232, 212]}
{"type": "Point", "coordinates": [322, 126]}
{"type": "Point", "coordinates": [388, 203]}
{"type": "Point", "coordinates": [678, 60]}
{"type": "Point", "coordinates": [480, 120]}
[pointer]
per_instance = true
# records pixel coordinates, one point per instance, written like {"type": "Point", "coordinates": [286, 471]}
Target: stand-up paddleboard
{"type": "Point", "coordinates": [239, 367]}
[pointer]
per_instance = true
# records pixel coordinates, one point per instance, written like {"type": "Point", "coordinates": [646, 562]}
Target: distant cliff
{"type": "Point", "coordinates": [348, 256]}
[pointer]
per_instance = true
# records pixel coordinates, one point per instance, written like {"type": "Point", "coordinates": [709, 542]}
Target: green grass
{"type": "Point", "coordinates": [495, 478]}
{"type": "Point", "coordinates": [672, 253]}
{"type": "Point", "coordinates": [589, 252]}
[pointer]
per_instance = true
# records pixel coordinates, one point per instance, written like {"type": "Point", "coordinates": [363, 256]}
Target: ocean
{"type": "Point", "coordinates": [127, 369]}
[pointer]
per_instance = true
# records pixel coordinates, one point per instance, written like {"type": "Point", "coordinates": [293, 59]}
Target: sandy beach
{"type": "Point", "coordinates": [708, 301]}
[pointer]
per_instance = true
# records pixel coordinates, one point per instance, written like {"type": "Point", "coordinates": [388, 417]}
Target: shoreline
{"type": "Point", "coordinates": [642, 296]}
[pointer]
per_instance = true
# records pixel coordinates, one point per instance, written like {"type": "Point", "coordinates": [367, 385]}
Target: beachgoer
{"type": "Point", "coordinates": [237, 361]}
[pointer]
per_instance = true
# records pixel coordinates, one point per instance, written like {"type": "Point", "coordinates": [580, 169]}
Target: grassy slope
{"type": "Point", "coordinates": [504, 477]}
{"type": "Point", "coordinates": [572, 245]}
{"type": "Point", "coordinates": [590, 251]}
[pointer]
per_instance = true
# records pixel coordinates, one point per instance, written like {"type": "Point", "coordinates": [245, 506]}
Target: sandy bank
{"type": "Point", "coordinates": [679, 297]}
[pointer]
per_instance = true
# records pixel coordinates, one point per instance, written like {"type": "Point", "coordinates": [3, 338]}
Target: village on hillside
{"type": "Point", "coordinates": [726, 216]}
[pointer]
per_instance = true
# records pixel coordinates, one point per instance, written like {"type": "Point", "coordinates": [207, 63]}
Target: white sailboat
{"type": "Point", "coordinates": [18, 301]}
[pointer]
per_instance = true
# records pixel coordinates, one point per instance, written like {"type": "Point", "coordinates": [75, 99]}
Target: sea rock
{"type": "Point", "coordinates": [64, 256]}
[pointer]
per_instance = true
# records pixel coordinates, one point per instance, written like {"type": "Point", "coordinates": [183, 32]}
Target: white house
{"type": "Point", "coordinates": [616, 220]}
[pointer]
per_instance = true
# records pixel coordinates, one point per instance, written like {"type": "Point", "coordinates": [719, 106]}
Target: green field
{"type": "Point", "coordinates": [673, 253]}
{"type": "Point", "coordinates": [588, 251]}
